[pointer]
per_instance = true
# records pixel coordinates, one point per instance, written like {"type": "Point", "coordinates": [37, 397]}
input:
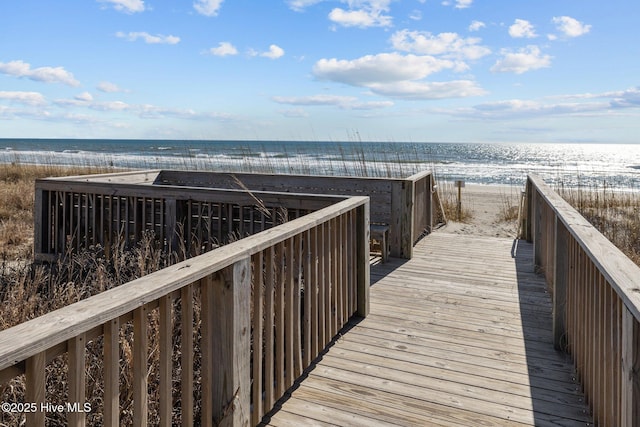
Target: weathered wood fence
{"type": "Point", "coordinates": [269, 303]}
{"type": "Point", "coordinates": [403, 204]}
{"type": "Point", "coordinates": [72, 213]}
{"type": "Point", "coordinates": [596, 303]}
{"type": "Point", "coordinates": [76, 212]}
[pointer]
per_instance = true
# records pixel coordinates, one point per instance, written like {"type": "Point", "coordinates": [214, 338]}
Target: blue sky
{"type": "Point", "coordinates": [380, 70]}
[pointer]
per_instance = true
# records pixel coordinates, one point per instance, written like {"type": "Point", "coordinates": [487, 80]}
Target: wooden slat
{"type": "Point", "coordinates": [289, 317]}
{"type": "Point", "coordinates": [112, 373]}
{"type": "Point", "coordinates": [297, 307]}
{"type": "Point", "coordinates": [258, 333]}
{"type": "Point", "coordinates": [166, 360]}
{"type": "Point", "coordinates": [186, 355]}
{"type": "Point", "coordinates": [140, 344]}
{"type": "Point", "coordinates": [207, 350]}
{"type": "Point", "coordinates": [627, 383]}
{"type": "Point", "coordinates": [35, 388]}
{"type": "Point", "coordinates": [414, 360]}
{"type": "Point", "coordinates": [307, 323]}
{"type": "Point", "coordinates": [269, 329]}
{"type": "Point", "coordinates": [321, 243]}
{"type": "Point", "coordinates": [76, 369]}
{"type": "Point", "coordinates": [279, 310]}
{"type": "Point", "coordinates": [231, 345]}
{"type": "Point", "coordinates": [314, 291]}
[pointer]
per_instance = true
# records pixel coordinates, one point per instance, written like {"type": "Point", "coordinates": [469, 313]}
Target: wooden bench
{"type": "Point", "coordinates": [380, 234]}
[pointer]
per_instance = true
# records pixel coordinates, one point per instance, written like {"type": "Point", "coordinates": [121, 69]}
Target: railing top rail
{"type": "Point", "coordinates": [29, 338]}
{"type": "Point", "coordinates": [293, 176]}
{"type": "Point", "coordinates": [615, 266]}
{"type": "Point", "coordinates": [419, 175]}
{"type": "Point", "coordinates": [178, 192]}
{"type": "Point", "coordinates": [148, 176]}
{"type": "Point", "coordinates": [151, 176]}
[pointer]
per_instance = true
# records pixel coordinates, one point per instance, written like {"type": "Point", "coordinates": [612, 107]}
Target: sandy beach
{"type": "Point", "coordinates": [486, 204]}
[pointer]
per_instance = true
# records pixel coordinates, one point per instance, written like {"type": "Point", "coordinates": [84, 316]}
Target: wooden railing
{"type": "Point", "coordinates": [596, 303]}
{"type": "Point", "coordinates": [403, 204]}
{"type": "Point", "coordinates": [260, 309]}
{"type": "Point", "coordinates": [80, 212]}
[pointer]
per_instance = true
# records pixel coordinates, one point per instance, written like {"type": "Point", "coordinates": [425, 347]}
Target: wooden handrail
{"type": "Point", "coordinates": [596, 303]}
{"type": "Point", "coordinates": [404, 204]}
{"type": "Point", "coordinates": [326, 253]}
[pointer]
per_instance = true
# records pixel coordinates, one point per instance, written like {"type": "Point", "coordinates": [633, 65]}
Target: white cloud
{"type": "Point", "coordinates": [363, 18]}
{"type": "Point", "coordinates": [84, 96]}
{"type": "Point", "coordinates": [415, 15]}
{"type": "Point", "coordinates": [525, 59]}
{"type": "Point", "coordinates": [344, 102]}
{"type": "Point", "coordinates": [571, 27]}
{"type": "Point", "coordinates": [449, 45]}
{"type": "Point", "coordinates": [223, 49]}
{"type": "Point", "coordinates": [42, 74]}
{"type": "Point", "coordinates": [110, 106]}
{"type": "Point", "coordinates": [148, 38]}
{"type": "Point", "coordinates": [26, 98]}
{"type": "Point", "coordinates": [629, 98]}
{"type": "Point", "coordinates": [384, 67]}
{"type": "Point", "coordinates": [360, 13]}
{"type": "Point", "coordinates": [476, 25]}
{"type": "Point", "coordinates": [207, 7]}
{"type": "Point", "coordinates": [300, 5]}
{"type": "Point", "coordinates": [459, 4]}
{"type": "Point", "coordinates": [518, 108]}
{"type": "Point", "coordinates": [522, 29]}
{"type": "Point", "coordinates": [109, 87]}
{"type": "Point", "coordinates": [397, 76]}
{"type": "Point", "coordinates": [315, 100]}
{"type": "Point", "coordinates": [428, 90]}
{"type": "Point", "coordinates": [128, 6]}
{"type": "Point", "coordinates": [294, 113]}
{"type": "Point", "coordinates": [274, 52]}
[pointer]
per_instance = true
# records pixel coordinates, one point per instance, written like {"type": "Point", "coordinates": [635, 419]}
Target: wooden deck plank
{"type": "Point", "coordinates": [458, 335]}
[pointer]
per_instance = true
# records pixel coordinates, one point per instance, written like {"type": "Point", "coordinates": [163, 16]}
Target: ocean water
{"type": "Point", "coordinates": [586, 165]}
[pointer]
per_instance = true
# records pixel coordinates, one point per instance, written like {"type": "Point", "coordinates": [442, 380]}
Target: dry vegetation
{"type": "Point", "coordinates": [16, 205]}
{"type": "Point", "coordinates": [27, 290]}
{"type": "Point", "coordinates": [616, 214]}
{"type": "Point", "coordinates": [448, 194]}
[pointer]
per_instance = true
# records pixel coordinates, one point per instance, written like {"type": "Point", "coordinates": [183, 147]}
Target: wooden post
{"type": "Point", "coordinates": [537, 231]}
{"type": "Point", "coordinates": [35, 384]}
{"type": "Point", "coordinates": [528, 211]}
{"type": "Point", "coordinates": [166, 349]}
{"type": "Point", "coordinates": [459, 185]}
{"type": "Point", "coordinates": [395, 227]}
{"type": "Point", "coordinates": [170, 224]}
{"type": "Point", "coordinates": [39, 221]}
{"type": "Point", "coordinates": [560, 280]}
{"type": "Point", "coordinates": [429, 202]}
{"type": "Point", "coordinates": [186, 358]}
{"type": "Point", "coordinates": [406, 220]}
{"type": "Point", "coordinates": [231, 345]}
{"type": "Point", "coordinates": [630, 371]}
{"type": "Point", "coordinates": [140, 379]}
{"type": "Point", "coordinates": [111, 351]}
{"type": "Point", "coordinates": [76, 352]}
{"type": "Point", "coordinates": [362, 247]}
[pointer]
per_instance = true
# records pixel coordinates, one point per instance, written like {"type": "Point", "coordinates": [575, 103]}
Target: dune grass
{"type": "Point", "coordinates": [28, 290]}
{"type": "Point", "coordinates": [616, 214]}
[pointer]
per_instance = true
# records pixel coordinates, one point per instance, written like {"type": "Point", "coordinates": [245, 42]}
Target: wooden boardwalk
{"type": "Point", "coordinates": [460, 335]}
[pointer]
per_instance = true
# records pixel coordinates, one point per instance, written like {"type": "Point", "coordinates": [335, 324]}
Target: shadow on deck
{"type": "Point", "coordinates": [458, 335]}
